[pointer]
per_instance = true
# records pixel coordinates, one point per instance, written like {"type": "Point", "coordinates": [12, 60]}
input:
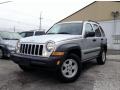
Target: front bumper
{"type": "Point", "coordinates": [7, 52]}
{"type": "Point", "coordinates": [43, 62]}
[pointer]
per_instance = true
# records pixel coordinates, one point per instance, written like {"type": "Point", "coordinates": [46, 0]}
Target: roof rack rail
{"type": "Point", "coordinates": [93, 21]}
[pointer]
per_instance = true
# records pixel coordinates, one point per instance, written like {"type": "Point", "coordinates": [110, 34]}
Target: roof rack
{"type": "Point", "coordinates": [93, 21]}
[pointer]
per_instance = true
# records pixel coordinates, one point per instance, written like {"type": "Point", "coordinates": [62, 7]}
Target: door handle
{"type": "Point", "coordinates": [94, 40]}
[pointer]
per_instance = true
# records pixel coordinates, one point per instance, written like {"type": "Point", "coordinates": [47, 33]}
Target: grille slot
{"type": "Point", "coordinates": [31, 49]}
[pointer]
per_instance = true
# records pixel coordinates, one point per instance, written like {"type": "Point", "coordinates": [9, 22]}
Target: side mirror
{"type": "Point", "coordinates": [89, 34]}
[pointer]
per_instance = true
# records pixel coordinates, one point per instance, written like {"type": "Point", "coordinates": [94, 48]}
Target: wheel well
{"type": "Point", "coordinates": [75, 51]}
{"type": "Point", "coordinates": [2, 48]}
{"type": "Point", "coordinates": [104, 47]}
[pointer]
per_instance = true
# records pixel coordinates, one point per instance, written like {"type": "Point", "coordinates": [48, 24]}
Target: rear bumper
{"type": "Point", "coordinates": [43, 62]}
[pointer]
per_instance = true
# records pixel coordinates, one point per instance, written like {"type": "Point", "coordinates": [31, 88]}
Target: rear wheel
{"type": "Point", "coordinates": [70, 69]}
{"type": "Point", "coordinates": [1, 53]}
{"type": "Point", "coordinates": [101, 58]}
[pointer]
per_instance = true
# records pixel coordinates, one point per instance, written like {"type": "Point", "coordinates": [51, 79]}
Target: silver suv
{"type": "Point", "coordinates": [63, 49]}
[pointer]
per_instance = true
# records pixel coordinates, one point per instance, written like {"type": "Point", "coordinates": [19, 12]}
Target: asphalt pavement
{"type": "Point", "coordinates": [93, 77]}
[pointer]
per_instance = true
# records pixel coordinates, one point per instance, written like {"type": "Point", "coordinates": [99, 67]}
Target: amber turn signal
{"type": "Point", "coordinates": [58, 53]}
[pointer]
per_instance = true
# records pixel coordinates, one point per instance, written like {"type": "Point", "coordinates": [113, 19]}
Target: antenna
{"type": "Point", "coordinates": [115, 14]}
{"type": "Point", "coordinates": [40, 26]}
{"type": "Point", "coordinates": [14, 29]}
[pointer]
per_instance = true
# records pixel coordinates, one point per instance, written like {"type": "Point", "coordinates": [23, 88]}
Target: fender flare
{"type": "Point", "coordinates": [66, 48]}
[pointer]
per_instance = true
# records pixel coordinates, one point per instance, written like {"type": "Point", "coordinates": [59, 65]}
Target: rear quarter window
{"type": "Point", "coordinates": [103, 34]}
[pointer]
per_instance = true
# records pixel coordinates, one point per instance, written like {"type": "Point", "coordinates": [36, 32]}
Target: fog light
{"type": "Point", "coordinates": [58, 62]}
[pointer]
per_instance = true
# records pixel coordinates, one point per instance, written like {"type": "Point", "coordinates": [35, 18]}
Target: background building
{"type": "Point", "coordinates": [107, 13]}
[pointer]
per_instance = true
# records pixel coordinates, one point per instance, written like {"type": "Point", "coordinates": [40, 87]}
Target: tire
{"type": "Point", "coordinates": [26, 68]}
{"type": "Point", "coordinates": [101, 59]}
{"type": "Point", "coordinates": [70, 69]}
{"type": "Point", "coordinates": [1, 53]}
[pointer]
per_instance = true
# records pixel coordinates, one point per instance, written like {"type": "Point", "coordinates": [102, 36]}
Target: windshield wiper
{"type": "Point", "coordinates": [14, 39]}
{"type": "Point", "coordinates": [10, 39]}
{"type": "Point", "coordinates": [6, 38]}
{"type": "Point", "coordinates": [59, 33]}
{"type": "Point", "coordinates": [63, 33]}
{"type": "Point", "coordinates": [50, 33]}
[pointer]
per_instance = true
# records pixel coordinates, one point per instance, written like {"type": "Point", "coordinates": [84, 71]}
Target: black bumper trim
{"type": "Point", "coordinates": [35, 60]}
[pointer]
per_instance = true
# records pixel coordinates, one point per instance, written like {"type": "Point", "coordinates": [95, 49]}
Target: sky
{"type": "Point", "coordinates": [22, 15]}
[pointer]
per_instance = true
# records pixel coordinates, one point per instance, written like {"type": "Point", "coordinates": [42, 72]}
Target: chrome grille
{"type": "Point", "coordinates": [31, 49]}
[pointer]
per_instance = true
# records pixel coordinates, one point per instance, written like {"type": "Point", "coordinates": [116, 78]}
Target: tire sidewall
{"type": "Point", "coordinates": [61, 77]}
{"type": "Point", "coordinates": [105, 56]}
{"type": "Point", "coordinates": [100, 57]}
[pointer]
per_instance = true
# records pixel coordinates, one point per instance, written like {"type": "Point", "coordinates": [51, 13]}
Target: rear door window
{"type": "Point", "coordinates": [97, 30]}
{"type": "Point", "coordinates": [103, 34]}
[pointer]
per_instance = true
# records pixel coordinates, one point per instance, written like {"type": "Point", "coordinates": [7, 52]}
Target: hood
{"type": "Point", "coordinates": [46, 38]}
{"type": "Point", "coordinates": [12, 43]}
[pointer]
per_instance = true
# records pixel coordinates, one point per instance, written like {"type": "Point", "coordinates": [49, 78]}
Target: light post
{"type": "Point", "coordinates": [115, 14]}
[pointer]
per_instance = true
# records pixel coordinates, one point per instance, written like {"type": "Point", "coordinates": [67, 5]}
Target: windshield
{"type": "Point", "coordinates": [66, 28]}
{"type": "Point", "coordinates": [27, 34]}
{"type": "Point", "coordinates": [10, 35]}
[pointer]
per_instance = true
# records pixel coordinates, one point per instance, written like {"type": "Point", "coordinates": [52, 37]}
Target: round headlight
{"type": "Point", "coordinates": [17, 47]}
{"type": "Point", "coordinates": [50, 45]}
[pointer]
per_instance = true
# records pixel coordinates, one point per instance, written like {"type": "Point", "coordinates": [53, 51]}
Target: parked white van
{"type": "Point", "coordinates": [32, 33]}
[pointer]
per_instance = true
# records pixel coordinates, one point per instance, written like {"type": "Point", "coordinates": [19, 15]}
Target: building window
{"type": "Point", "coordinates": [116, 39]}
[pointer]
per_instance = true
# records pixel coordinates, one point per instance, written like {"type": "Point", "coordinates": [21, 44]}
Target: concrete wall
{"type": "Point", "coordinates": [109, 30]}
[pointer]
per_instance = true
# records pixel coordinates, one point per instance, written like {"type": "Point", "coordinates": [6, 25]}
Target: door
{"type": "Point", "coordinates": [88, 43]}
{"type": "Point", "coordinates": [98, 38]}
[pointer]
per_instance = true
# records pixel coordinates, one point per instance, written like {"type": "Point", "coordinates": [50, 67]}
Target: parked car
{"type": "Point", "coordinates": [64, 48]}
{"type": "Point", "coordinates": [8, 41]}
{"type": "Point", "coordinates": [31, 33]}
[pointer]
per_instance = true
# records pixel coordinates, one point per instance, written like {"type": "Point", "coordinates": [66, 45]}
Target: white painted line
{"type": "Point", "coordinates": [117, 57]}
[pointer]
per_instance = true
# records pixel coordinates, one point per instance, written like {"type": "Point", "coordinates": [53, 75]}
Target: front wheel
{"type": "Point", "coordinates": [1, 53]}
{"type": "Point", "coordinates": [101, 59]}
{"type": "Point", "coordinates": [70, 69]}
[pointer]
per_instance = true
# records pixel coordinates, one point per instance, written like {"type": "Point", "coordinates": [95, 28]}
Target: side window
{"type": "Point", "coordinates": [88, 28]}
{"type": "Point", "coordinates": [102, 32]}
{"type": "Point", "coordinates": [97, 30]}
{"type": "Point", "coordinates": [29, 34]}
{"type": "Point", "coordinates": [37, 33]}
